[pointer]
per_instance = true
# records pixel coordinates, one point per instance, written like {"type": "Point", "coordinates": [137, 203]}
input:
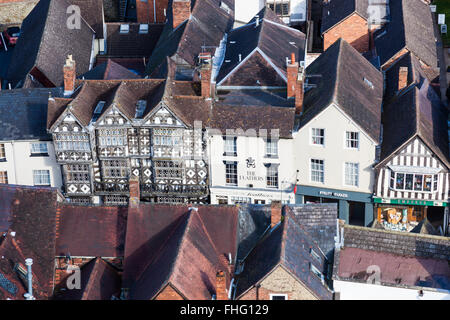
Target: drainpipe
{"type": "Point", "coordinates": [29, 295]}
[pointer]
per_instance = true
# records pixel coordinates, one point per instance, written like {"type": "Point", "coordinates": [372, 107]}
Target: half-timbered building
{"type": "Point", "coordinates": [109, 131]}
{"type": "Point", "coordinates": [412, 179]}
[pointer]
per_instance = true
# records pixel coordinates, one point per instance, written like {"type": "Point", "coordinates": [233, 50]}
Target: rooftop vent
{"type": "Point", "coordinates": [124, 28]}
{"type": "Point", "coordinates": [143, 28]}
{"type": "Point", "coordinates": [368, 83]}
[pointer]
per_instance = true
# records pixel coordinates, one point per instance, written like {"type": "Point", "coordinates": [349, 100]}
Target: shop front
{"type": "Point", "coordinates": [405, 214]}
{"type": "Point", "coordinates": [228, 195]}
{"type": "Point", "coordinates": [354, 207]}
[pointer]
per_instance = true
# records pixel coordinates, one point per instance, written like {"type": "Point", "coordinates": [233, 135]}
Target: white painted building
{"type": "Point", "coordinates": [27, 156]}
{"type": "Point", "coordinates": [338, 132]}
{"type": "Point", "coordinates": [253, 164]}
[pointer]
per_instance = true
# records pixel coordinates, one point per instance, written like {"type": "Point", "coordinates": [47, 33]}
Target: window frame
{"type": "Point", "coordinates": [434, 184]}
{"type": "Point", "coordinates": [274, 144]}
{"type": "Point", "coordinates": [272, 166]}
{"type": "Point", "coordinates": [311, 170]}
{"type": "Point", "coordinates": [40, 152]}
{"type": "Point", "coordinates": [39, 172]}
{"type": "Point", "coordinates": [347, 140]}
{"type": "Point", "coordinates": [231, 174]}
{"type": "Point", "coordinates": [357, 174]}
{"type": "Point", "coordinates": [2, 152]}
{"type": "Point", "coordinates": [271, 295]}
{"type": "Point", "coordinates": [4, 177]}
{"type": "Point", "coordinates": [229, 140]}
{"type": "Point", "coordinates": [313, 136]}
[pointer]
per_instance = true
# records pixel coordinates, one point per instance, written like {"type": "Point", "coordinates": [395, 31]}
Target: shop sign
{"type": "Point", "coordinates": [251, 176]}
{"type": "Point", "coordinates": [410, 202]}
{"type": "Point", "coordinates": [333, 194]}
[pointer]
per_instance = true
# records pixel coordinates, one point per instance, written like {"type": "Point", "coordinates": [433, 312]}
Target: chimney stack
{"type": "Point", "coordinates": [29, 294]}
{"type": "Point", "coordinates": [205, 73]}
{"type": "Point", "coordinates": [181, 11]}
{"type": "Point", "coordinates": [299, 91]}
{"type": "Point", "coordinates": [292, 73]}
{"type": "Point", "coordinates": [221, 286]}
{"type": "Point", "coordinates": [275, 213]}
{"type": "Point", "coordinates": [135, 193]}
{"type": "Point", "coordinates": [402, 78]}
{"type": "Point", "coordinates": [69, 76]}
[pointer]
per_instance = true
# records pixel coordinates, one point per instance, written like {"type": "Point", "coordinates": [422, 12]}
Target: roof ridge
{"type": "Point", "coordinates": [338, 66]}
{"type": "Point", "coordinates": [92, 276]}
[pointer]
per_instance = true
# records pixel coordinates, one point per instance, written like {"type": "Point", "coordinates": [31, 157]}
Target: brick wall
{"type": "Point", "coordinates": [168, 293]}
{"type": "Point", "coordinates": [279, 282]}
{"type": "Point", "coordinates": [354, 30]}
{"type": "Point", "coordinates": [181, 10]}
{"type": "Point", "coordinates": [146, 12]}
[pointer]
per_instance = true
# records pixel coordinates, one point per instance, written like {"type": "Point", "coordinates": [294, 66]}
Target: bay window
{"type": "Point", "coordinates": [413, 181]}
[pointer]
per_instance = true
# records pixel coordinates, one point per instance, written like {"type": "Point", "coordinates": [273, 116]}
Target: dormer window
{"type": "Point", "coordinates": [143, 28]}
{"type": "Point", "coordinates": [124, 28]}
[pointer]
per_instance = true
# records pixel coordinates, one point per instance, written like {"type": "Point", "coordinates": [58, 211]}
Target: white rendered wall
{"type": "Point", "coordinates": [20, 165]}
{"type": "Point", "coordinates": [245, 10]}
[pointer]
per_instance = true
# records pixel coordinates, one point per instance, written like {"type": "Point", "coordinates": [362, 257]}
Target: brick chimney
{"type": "Point", "coordinates": [402, 78]}
{"type": "Point", "coordinates": [181, 11]}
{"type": "Point", "coordinates": [292, 72]}
{"type": "Point", "coordinates": [221, 286]}
{"type": "Point", "coordinates": [205, 73]}
{"type": "Point", "coordinates": [299, 91]}
{"type": "Point", "coordinates": [135, 194]}
{"type": "Point", "coordinates": [275, 213]}
{"type": "Point", "coordinates": [69, 76]}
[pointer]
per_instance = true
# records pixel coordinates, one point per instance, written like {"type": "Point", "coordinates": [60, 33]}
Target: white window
{"type": "Point", "coordinates": [2, 152]}
{"type": "Point", "coordinates": [143, 28]}
{"type": "Point", "coordinates": [416, 182]}
{"type": "Point", "coordinates": [41, 177]}
{"type": "Point", "coordinates": [351, 174]}
{"type": "Point", "coordinates": [318, 136]}
{"type": "Point", "coordinates": [237, 200]}
{"type": "Point", "coordinates": [352, 140]}
{"type": "Point", "coordinates": [4, 177]}
{"type": "Point", "coordinates": [39, 148]}
{"type": "Point", "coordinates": [278, 296]}
{"type": "Point", "coordinates": [315, 255]}
{"type": "Point", "coordinates": [272, 176]}
{"type": "Point", "coordinates": [124, 28]}
{"type": "Point", "coordinates": [317, 170]}
{"type": "Point", "coordinates": [271, 148]}
{"type": "Point", "coordinates": [231, 173]}
{"type": "Point", "coordinates": [317, 272]}
{"type": "Point", "coordinates": [230, 146]}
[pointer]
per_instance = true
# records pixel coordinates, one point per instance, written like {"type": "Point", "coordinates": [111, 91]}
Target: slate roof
{"type": "Point", "coordinates": [99, 281]}
{"type": "Point", "coordinates": [417, 111]}
{"type": "Point", "coordinates": [24, 113]}
{"type": "Point", "coordinates": [92, 12]}
{"type": "Point", "coordinates": [45, 44]}
{"type": "Point", "coordinates": [320, 221]}
{"type": "Point", "coordinates": [339, 75]}
{"type": "Point", "coordinates": [406, 259]}
{"type": "Point", "coordinates": [287, 245]}
{"type": "Point", "coordinates": [335, 11]}
{"type": "Point", "coordinates": [410, 27]}
{"type": "Point", "coordinates": [31, 215]}
{"type": "Point", "coordinates": [199, 236]}
{"type": "Point", "coordinates": [109, 70]}
{"type": "Point", "coordinates": [89, 231]}
{"type": "Point", "coordinates": [274, 39]}
{"type": "Point", "coordinates": [132, 44]}
{"type": "Point", "coordinates": [206, 26]}
{"type": "Point", "coordinates": [257, 97]}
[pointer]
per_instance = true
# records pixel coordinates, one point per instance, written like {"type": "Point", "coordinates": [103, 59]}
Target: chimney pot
{"type": "Point", "coordinates": [69, 76]}
{"type": "Point", "coordinates": [221, 286]}
{"type": "Point", "coordinates": [402, 78]}
{"type": "Point", "coordinates": [275, 214]}
{"type": "Point", "coordinates": [135, 193]}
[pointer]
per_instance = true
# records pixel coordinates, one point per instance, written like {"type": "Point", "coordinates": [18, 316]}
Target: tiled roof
{"type": "Point", "coordinates": [276, 40]}
{"type": "Point", "coordinates": [91, 231]}
{"type": "Point", "coordinates": [133, 43]}
{"type": "Point", "coordinates": [344, 77]}
{"type": "Point", "coordinates": [24, 113]}
{"type": "Point", "coordinates": [287, 245]}
{"type": "Point", "coordinates": [99, 281]}
{"type": "Point", "coordinates": [320, 221]}
{"type": "Point", "coordinates": [405, 259]}
{"type": "Point", "coordinates": [45, 44]}
{"type": "Point", "coordinates": [195, 236]}
{"type": "Point", "coordinates": [92, 12]}
{"type": "Point", "coordinates": [206, 26]}
{"type": "Point", "coordinates": [336, 11]}
{"type": "Point", "coordinates": [32, 216]}
{"type": "Point", "coordinates": [411, 27]}
{"type": "Point", "coordinates": [417, 111]}
{"type": "Point", "coordinates": [109, 70]}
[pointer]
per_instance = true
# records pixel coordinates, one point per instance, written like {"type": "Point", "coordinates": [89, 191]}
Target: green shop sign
{"type": "Point", "coordinates": [410, 202]}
